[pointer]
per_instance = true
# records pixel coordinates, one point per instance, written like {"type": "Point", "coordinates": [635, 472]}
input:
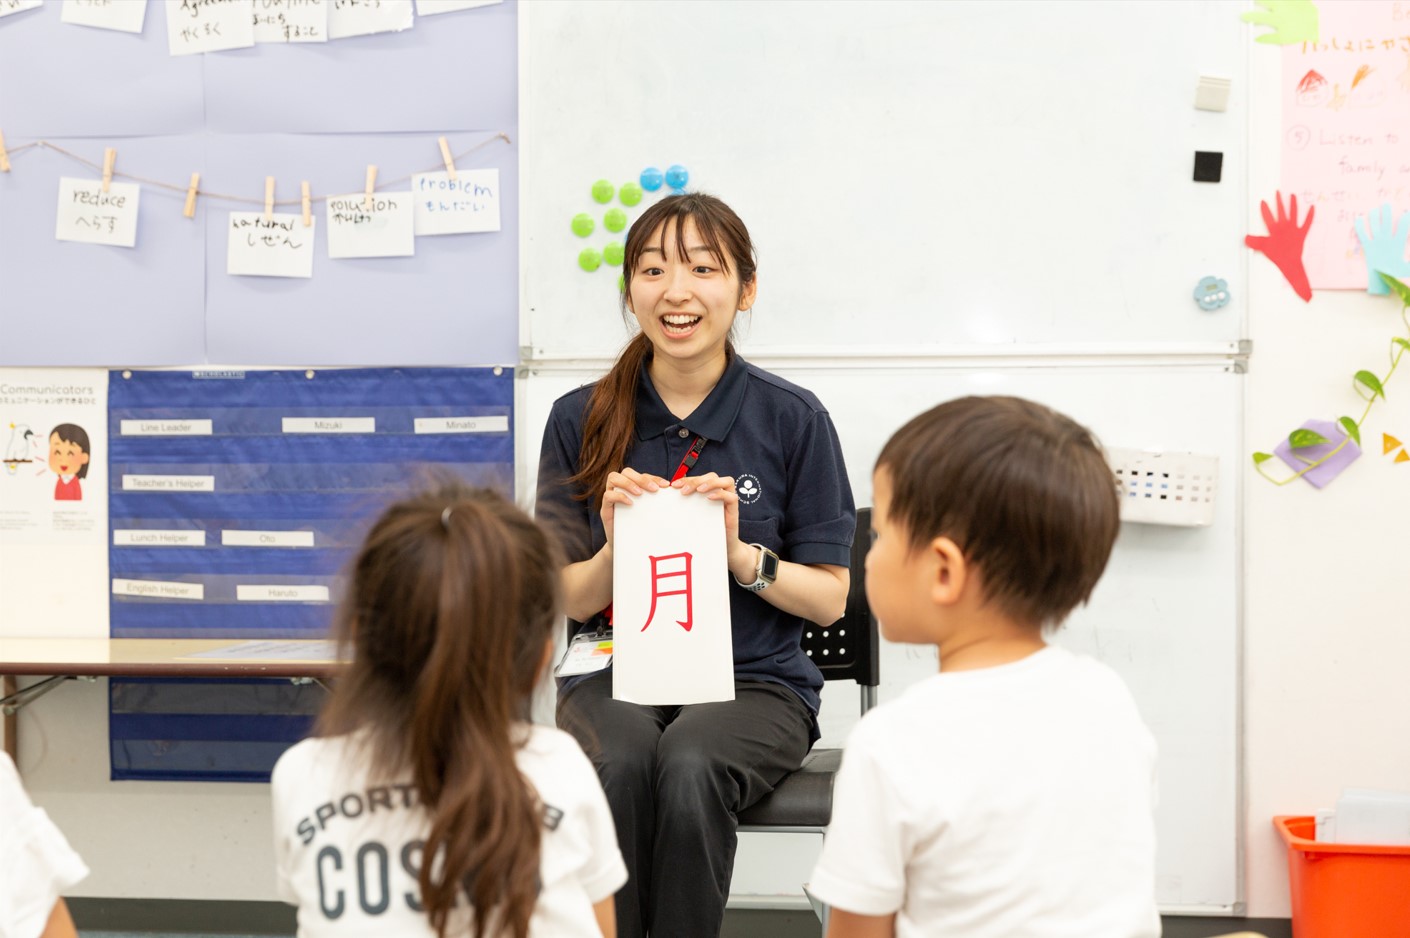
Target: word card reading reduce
{"type": "Point", "coordinates": [88, 214]}
{"type": "Point", "coordinates": [279, 247]}
{"type": "Point", "coordinates": [291, 21]}
{"type": "Point", "coordinates": [465, 205]}
{"type": "Point", "coordinates": [209, 25]}
{"type": "Point", "coordinates": [122, 15]}
{"type": "Point", "coordinates": [379, 228]}
{"type": "Point", "coordinates": [364, 19]}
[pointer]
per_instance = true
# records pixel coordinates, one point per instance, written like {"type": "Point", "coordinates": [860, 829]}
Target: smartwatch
{"type": "Point", "coordinates": [765, 571]}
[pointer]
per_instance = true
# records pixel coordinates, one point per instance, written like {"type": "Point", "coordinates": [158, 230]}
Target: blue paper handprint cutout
{"type": "Point", "coordinates": [1383, 246]}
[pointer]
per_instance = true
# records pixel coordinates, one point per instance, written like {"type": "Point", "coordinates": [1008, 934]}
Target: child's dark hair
{"type": "Point", "coordinates": [1021, 489]}
{"type": "Point", "coordinates": [73, 434]}
{"type": "Point", "coordinates": [611, 410]}
{"type": "Point", "coordinates": [451, 601]}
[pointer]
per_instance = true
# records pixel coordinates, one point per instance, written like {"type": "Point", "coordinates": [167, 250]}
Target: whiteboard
{"type": "Point", "coordinates": [1166, 615]}
{"type": "Point", "coordinates": [964, 171]}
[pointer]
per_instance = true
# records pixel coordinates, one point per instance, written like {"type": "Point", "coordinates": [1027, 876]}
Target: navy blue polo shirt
{"type": "Point", "coordinates": [780, 446]}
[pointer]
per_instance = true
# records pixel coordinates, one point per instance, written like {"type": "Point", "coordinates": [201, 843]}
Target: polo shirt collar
{"type": "Point", "coordinates": [712, 419]}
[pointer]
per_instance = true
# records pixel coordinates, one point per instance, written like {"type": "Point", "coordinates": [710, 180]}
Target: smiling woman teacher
{"type": "Point", "coordinates": [681, 408]}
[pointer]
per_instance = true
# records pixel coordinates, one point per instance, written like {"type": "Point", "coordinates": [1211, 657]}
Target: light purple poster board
{"type": "Point", "coordinates": [237, 117]}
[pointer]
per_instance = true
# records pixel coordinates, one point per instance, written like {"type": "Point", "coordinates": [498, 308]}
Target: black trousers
{"type": "Point", "coordinates": [675, 778]}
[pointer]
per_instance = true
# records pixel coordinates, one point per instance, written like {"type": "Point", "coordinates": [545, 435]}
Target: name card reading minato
{"type": "Point", "coordinates": [494, 424]}
{"type": "Point", "coordinates": [330, 424]}
{"type": "Point", "coordinates": [149, 537]}
{"type": "Point", "coordinates": [168, 483]}
{"type": "Point", "coordinates": [165, 427]}
{"type": "Point", "coordinates": [159, 589]}
{"type": "Point", "coordinates": [266, 538]}
{"type": "Point", "coordinates": [281, 594]}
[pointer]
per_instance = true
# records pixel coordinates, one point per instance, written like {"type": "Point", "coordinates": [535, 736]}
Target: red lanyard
{"type": "Point", "coordinates": [691, 455]}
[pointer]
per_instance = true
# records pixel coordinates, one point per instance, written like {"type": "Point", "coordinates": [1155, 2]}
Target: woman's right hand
{"type": "Point", "coordinates": [621, 487]}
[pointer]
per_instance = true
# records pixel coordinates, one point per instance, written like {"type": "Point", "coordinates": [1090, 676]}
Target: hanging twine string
{"type": "Point", "coordinates": [98, 167]}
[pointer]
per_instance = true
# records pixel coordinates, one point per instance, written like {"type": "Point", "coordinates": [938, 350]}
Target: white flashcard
{"type": "Point", "coordinates": [279, 247]}
{"type": "Point", "coordinates": [209, 25]}
{"type": "Point", "coordinates": [468, 204]}
{"type": "Point", "coordinates": [432, 7]}
{"type": "Point", "coordinates": [673, 642]}
{"type": "Point", "coordinates": [88, 214]}
{"type": "Point", "coordinates": [18, 6]}
{"type": "Point", "coordinates": [349, 18]}
{"type": "Point", "coordinates": [125, 16]}
{"type": "Point", "coordinates": [291, 20]}
{"type": "Point", "coordinates": [379, 227]}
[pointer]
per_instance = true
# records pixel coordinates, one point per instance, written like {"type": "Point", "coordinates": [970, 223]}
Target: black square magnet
{"type": "Point", "coordinates": [1209, 167]}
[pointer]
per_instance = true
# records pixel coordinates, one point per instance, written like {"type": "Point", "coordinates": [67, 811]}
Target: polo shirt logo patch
{"type": "Point", "coordinates": [748, 489]}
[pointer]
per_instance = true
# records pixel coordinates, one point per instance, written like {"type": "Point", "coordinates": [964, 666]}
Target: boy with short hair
{"type": "Point", "coordinates": [1011, 794]}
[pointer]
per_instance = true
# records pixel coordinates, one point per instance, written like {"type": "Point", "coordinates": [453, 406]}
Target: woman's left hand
{"type": "Point", "coordinates": [720, 488]}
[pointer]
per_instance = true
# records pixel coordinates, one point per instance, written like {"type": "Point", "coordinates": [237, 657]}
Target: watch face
{"type": "Point", "coordinates": [768, 565]}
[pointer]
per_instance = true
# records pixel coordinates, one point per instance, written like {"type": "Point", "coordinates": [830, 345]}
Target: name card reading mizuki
{"type": "Point", "coordinates": [329, 424]}
{"type": "Point", "coordinates": [279, 247]}
{"type": "Point", "coordinates": [380, 228]}
{"type": "Point", "coordinates": [466, 205]}
{"type": "Point", "coordinates": [122, 15]}
{"type": "Point", "coordinates": [88, 214]}
{"type": "Point", "coordinates": [291, 20]}
{"type": "Point", "coordinates": [209, 25]}
{"type": "Point", "coordinates": [364, 17]}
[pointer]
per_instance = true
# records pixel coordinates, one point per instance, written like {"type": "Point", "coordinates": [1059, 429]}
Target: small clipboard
{"type": "Point", "coordinates": [589, 651]}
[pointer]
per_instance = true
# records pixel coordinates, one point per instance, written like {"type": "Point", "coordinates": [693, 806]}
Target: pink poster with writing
{"type": "Point", "coordinates": [1346, 137]}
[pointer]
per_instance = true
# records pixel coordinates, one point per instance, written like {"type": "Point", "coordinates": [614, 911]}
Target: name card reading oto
{"type": "Point", "coordinates": [209, 25]}
{"type": "Point", "coordinates": [466, 205]}
{"type": "Point", "coordinates": [379, 228]}
{"type": "Point", "coordinates": [329, 424]}
{"type": "Point", "coordinates": [151, 537]}
{"type": "Point", "coordinates": [88, 214]}
{"type": "Point", "coordinates": [365, 17]}
{"type": "Point", "coordinates": [266, 538]}
{"type": "Point", "coordinates": [122, 15]}
{"type": "Point", "coordinates": [159, 589]}
{"type": "Point", "coordinates": [165, 427]}
{"type": "Point", "coordinates": [278, 247]}
{"type": "Point", "coordinates": [148, 483]}
{"type": "Point", "coordinates": [291, 21]}
{"type": "Point", "coordinates": [491, 424]}
{"type": "Point", "coordinates": [259, 593]}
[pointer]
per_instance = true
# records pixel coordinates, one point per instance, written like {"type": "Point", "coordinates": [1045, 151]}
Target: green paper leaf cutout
{"type": "Point", "coordinates": [1403, 343]}
{"type": "Point", "coordinates": [1371, 383]}
{"type": "Point", "coordinates": [1298, 439]}
{"type": "Point", "coordinates": [1401, 290]}
{"type": "Point", "coordinates": [1261, 458]}
{"type": "Point", "coordinates": [1350, 428]}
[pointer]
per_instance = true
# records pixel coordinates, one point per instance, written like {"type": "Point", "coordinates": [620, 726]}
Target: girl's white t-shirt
{"type": "Point", "coordinates": [36, 862]}
{"type": "Point", "coordinates": [348, 847]}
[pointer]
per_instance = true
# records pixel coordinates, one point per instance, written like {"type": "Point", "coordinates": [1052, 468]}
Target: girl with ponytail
{"type": "Point", "coordinates": [426, 803]}
{"type": "Point", "coordinates": [681, 407]}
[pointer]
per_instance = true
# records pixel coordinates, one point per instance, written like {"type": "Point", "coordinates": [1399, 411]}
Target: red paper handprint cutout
{"type": "Point", "coordinates": [1283, 243]}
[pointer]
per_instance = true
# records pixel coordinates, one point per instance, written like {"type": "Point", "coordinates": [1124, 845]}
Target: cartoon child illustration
{"type": "Point", "coordinates": [68, 457]}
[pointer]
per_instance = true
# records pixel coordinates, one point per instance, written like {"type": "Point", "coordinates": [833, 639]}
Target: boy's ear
{"type": "Point", "coordinates": [950, 571]}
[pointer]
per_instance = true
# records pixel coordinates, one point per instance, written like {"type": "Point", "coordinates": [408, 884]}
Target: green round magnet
{"type": "Point", "coordinates": [613, 253]}
{"type": "Point", "coordinates": [630, 193]}
{"type": "Point", "coordinates": [602, 191]}
{"type": "Point", "coordinates": [615, 219]}
{"type": "Point", "coordinates": [589, 259]}
{"type": "Point", "coordinates": [583, 224]}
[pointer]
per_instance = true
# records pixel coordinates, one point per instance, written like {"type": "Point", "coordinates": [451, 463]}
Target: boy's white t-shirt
{"type": "Point", "coordinates": [36, 862]}
{"type": "Point", "coordinates": [347, 847]}
{"type": "Point", "coordinates": [1008, 801]}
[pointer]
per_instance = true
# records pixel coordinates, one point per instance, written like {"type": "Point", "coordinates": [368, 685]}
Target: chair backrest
{"type": "Point", "coordinates": [847, 649]}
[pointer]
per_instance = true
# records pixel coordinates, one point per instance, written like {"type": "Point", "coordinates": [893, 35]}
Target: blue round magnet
{"type": "Point", "coordinates": [677, 176]}
{"type": "Point", "coordinates": [651, 178]}
{"type": "Point", "coordinates": [1211, 293]}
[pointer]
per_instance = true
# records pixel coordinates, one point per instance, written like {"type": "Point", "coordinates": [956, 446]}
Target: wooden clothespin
{"type": "Point", "coordinates": [268, 198]}
{"type": "Point", "coordinates": [5, 157]}
{"type": "Point", "coordinates": [109, 158]}
{"type": "Point", "coordinates": [190, 210]}
{"type": "Point", "coordinates": [308, 218]}
{"type": "Point", "coordinates": [445, 155]}
{"type": "Point", "coordinates": [371, 183]}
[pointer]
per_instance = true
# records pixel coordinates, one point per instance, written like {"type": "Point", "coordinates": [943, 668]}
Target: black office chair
{"type": "Point", "coordinates": [845, 650]}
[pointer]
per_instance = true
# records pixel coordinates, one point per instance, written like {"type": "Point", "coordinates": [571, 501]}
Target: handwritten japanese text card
{"type": "Point", "coordinates": [376, 227]}
{"type": "Point", "coordinates": [87, 213]}
{"type": "Point", "coordinates": [670, 601]}
{"type": "Point", "coordinates": [280, 246]}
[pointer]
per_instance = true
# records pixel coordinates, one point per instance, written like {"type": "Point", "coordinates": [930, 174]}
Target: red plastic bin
{"type": "Point", "coordinates": [1345, 890]}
